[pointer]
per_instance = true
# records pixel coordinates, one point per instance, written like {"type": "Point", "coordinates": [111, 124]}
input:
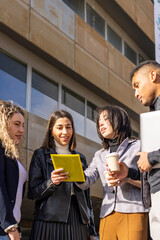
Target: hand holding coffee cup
{"type": "Point", "coordinates": [112, 161]}
{"type": "Point", "coordinates": [106, 173]}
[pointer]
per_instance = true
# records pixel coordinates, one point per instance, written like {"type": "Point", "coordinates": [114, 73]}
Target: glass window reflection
{"type": "Point", "coordinates": [73, 100]}
{"type": "Point", "coordinates": [91, 111]}
{"type": "Point", "coordinates": [78, 119]}
{"type": "Point", "coordinates": [76, 6]}
{"type": "Point", "coordinates": [44, 95]}
{"type": "Point", "coordinates": [95, 20]}
{"type": "Point", "coordinates": [91, 131]}
{"type": "Point", "coordinates": [140, 58]}
{"type": "Point", "coordinates": [114, 38]}
{"type": "Point", "coordinates": [130, 53]}
{"type": "Point", "coordinates": [12, 80]}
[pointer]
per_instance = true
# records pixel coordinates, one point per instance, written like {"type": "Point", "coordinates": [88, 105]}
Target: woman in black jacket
{"type": "Point", "coordinates": [12, 173]}
{"type": "Point", "coordinates": [62, 210]}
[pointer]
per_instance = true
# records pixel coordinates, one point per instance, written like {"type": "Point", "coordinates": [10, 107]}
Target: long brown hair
{"type": "Point", "coordinates": [119, 121]}
{"type": "Point", "coordinates": [49, 139]}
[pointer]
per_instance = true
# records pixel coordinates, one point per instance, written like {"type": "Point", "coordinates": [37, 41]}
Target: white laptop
{"type": "Point", "coordinates": [150, 132]}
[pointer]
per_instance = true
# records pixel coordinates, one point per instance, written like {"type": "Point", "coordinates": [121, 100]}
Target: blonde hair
{"type": "Point", "coordinates": [7, 109]}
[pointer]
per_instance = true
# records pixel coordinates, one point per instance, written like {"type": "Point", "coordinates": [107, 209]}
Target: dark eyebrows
{"type": "Point", "coordinates": [59, 125]}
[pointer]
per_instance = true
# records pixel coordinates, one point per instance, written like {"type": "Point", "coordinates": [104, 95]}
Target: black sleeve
{"type": "Point", "coordinates": [6, 212]}
{"type": "Point", "coordinates": [38, 186]}
{"type": "Point", "coordinates": [154, 157]}
{"type": "Point", "coordinates": [133, 174]}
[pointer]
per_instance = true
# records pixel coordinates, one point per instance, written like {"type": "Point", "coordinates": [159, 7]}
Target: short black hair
{"type": "Point", "coordinates": [119, 121]}
{"type": "Point", "coordinates": [142, 64]}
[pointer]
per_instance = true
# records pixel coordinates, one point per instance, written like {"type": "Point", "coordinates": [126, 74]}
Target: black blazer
{"type": "Point", "coordinates": [9, 175]}
{"type": "Point", "coordinates": [53, 203]}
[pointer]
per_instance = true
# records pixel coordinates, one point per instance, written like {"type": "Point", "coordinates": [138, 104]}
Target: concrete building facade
{"type": "Point", "coordinates": [73, 55]}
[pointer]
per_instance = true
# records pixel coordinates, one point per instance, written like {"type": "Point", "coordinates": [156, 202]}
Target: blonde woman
{"type": "Point", "coordinates": [12, 173]}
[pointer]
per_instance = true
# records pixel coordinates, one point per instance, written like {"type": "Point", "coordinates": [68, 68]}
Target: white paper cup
{"type": "Point", "coordinates": [112, 161]}
{"type": "Point", "coordinates": [106, 176]}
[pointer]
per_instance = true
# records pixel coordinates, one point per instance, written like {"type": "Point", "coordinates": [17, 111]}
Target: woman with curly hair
{"type": "Point", "coordinates": [12, 173]}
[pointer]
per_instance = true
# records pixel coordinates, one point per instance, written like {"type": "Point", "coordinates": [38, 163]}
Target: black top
{"type": "Point", "coordinates": [113, 145]}
{"type": "Point", "coordinates": [9, 176]}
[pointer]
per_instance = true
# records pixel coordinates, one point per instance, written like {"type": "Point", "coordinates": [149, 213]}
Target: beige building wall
{"type": "Point", "coordinates": [141, 13]}
{"type": "Point", "coordinates": [69, 37]}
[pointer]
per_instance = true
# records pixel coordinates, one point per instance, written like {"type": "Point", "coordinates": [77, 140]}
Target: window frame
{"type": "Point", "coordinates": [75, 95]}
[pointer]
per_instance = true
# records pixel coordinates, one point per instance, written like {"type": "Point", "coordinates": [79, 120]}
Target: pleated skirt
{"type": "Point", "coordinates": [72, 230]}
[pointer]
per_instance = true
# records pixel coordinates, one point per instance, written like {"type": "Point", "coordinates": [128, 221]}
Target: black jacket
{"type": "Point", "coordinates": [53, 202]}
{"type": "Point", "coordinates": [9, 176]}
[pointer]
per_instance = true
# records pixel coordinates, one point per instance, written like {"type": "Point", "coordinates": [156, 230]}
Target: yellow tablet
{"type": "Point", "coordinates": [71, 163]}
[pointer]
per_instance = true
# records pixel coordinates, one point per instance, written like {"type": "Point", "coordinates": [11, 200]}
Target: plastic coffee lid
{"type": "Point", "coordinates": [112, 154]}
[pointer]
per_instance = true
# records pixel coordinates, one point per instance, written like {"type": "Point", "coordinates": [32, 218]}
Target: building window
{"type": "Point", "coordinates": [95, 20]}
{"type": "Point", "coordinates": [114, 38]}
{"type": "Point", "coordinates": [73, 100]}
{"type": "Point", "coordinates": [91, 131]}
{"type": "Point", "coordinates": [91, 111]}
{"type": "Point", "coordinates": [76, 6]}
{"type": "Point", "coordinates": [75, 105]}
{"type": "Point", "coordinates": [13, 76]}
{"type": "Point", "coordinates": [140, 59]}
{"type": "Point", "coordinates": [130, 53]}
{"type": "Point", "coordinates": [44, 95]}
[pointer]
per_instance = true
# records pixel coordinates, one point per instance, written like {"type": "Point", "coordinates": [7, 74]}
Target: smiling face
{"type": "Point", "coordinates": [16, 127]}
{"type": "Point", "coordinates": [62, 131]}
{"type": "Point", "coordinates": [105, 127]}
{"type": "Point", "coordinates": [144, 87]}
